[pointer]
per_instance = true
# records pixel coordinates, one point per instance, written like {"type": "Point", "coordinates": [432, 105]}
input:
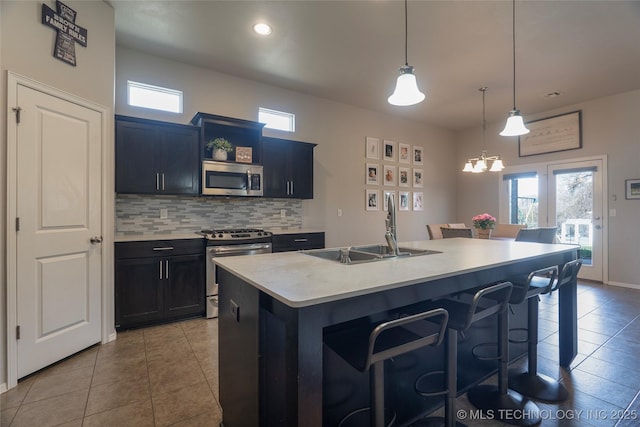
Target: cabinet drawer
{"type": "Point", "coordinates": [297, 241]}
{"type": "Point", "coordinates": [156, 248]}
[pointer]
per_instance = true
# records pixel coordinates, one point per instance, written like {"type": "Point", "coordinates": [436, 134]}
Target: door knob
{"type": "Point", "coordinates": [95, 240]}
{"type": "Point", "coordinates": [597, 218]}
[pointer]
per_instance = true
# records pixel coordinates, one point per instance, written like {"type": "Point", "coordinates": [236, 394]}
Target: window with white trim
{"type": "Point", "coordinates": [154, 97]}
{"type": "Point", "coordinates": [275, 119]}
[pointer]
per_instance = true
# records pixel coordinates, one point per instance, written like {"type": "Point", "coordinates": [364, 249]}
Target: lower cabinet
{"type": "Point", "coordinates": [158, 281]}
{"type": "Point", "coordinates": [297, 241]}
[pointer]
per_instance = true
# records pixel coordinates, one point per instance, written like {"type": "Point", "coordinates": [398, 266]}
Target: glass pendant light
{"type": "Point", "coordinates": [406, 92]}
{"type": "Point", "coordinates": [515, 124]}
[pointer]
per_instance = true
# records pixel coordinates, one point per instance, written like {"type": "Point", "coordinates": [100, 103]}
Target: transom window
{"type": "Point", "coordinates": [275, 119]}
{"type": "Point", "coordinates": [154, 97]}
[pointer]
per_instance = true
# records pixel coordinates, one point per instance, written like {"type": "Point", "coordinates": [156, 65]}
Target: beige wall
{"type": "Point", "coordinates": [338, 129]}
{"type": "Point", "coordinates": [609, 126]}
{"type": "Point", "coordinates": [26, 48]}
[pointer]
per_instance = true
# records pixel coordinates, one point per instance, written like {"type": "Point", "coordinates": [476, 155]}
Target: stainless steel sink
{"type": "Point", "coordinates": [383, 251]}
{"type": "Point", "coordinates": [361, 254]}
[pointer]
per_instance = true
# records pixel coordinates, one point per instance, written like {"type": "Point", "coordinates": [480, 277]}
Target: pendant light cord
{"type": "Point", "coordinates": [513, 21]}
{"type": "Point", "coordinates": [484, 120]}
{"type": "Point", "coordinates": [406, 34]}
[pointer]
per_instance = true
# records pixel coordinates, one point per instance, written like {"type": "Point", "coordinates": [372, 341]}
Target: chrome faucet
{"type": "Point", "coordinates": [390, 223]}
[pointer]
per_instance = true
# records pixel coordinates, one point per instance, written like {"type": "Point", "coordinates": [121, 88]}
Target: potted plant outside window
{"type": "Point", "coordinates": [219, 148]}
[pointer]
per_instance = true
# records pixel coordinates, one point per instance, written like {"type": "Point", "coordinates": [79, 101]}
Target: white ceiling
{"type": "Point", "coordinates": [350, 51]}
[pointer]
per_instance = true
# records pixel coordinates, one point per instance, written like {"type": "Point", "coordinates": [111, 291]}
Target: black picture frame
{"type": "Point", "coordinates": [552, 134]}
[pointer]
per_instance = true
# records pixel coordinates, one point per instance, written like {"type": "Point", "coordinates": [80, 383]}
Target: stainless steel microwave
{"type": "Point", "coordinates": [231, 179]}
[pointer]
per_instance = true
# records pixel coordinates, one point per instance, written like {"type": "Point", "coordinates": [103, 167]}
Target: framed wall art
{"type": "Point", "coordinates": [385, 201]}
{"type": "Point", "coordinates": [404, 153]}
{"type": "Point", "coordinates": [557, 133]}
{"type": "Point", "coordinates": [372, 173]}
{"type": "Point", "coordinates": [417, 178]}
{"type": "Point", "coordinates": [405, 201]}
{"type": "Point", "coordinates": [389, 150]}
{"type": "Point", "coordinates": [417, 201]}
{"type": "Point", "coordinates": [389, 174]}
{"type": "Point", "coordinates": [372, 148]}
{"type": "Point", "coordinates": [404, 179]}
{"type": "Point", "coordinates": [372, 200]}
{"type": "Point", "coordinates": [417, 155]}
{"type": "Point", "coordinates": [632, 189]}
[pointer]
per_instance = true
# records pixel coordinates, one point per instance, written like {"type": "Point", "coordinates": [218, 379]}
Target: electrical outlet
{"type": "Point", "coordinates": [612, 212]}
{"type": "Point", "coordinates": [164, 213]}
{"type": "Point", "coordinates": [283, 213]}
{"type": "Point", "coordinates": [339, 212]}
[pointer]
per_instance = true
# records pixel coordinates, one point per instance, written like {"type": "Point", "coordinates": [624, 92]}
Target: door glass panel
{"type": "Point", "coordinates": [523, 201]}
{"type": "Point", "coordinates": [574, 211]}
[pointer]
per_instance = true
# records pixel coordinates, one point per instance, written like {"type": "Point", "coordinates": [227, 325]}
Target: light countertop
{"type": "Point", "coordinates": [294, 230]}
{"type": "Point", "coordinates": [151, 237]}
{"type": "Point", "coordinates": [300, 280]}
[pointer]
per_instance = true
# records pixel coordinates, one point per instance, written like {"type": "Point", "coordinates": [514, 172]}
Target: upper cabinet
{"type": "Point", "coordinates": [155, 157]}
{"type": "Point", "coordinates": [288, 168]}
{"type": "Point", "coordinates": [239, 133]}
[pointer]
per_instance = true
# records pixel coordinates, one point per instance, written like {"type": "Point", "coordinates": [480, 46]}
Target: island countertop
{"type": "Point", "coordinates": [300, 280]}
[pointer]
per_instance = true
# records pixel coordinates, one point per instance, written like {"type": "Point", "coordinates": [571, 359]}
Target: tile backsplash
{"type": "Point", "coordinates": [140, 214]}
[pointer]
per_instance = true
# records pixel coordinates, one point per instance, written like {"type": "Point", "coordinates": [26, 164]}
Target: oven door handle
{"type": "Point", "coordinates": [238, 249]}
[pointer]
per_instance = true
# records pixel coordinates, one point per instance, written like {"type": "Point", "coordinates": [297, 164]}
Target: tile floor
{"type": "Point", "coordinates": [167, 375]}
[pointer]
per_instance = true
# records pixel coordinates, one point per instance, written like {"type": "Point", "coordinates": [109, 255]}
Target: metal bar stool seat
{"type": "Point", "coordinates": [487, 301]}
{"type": "Point", "coordinates": [367, 347]}
{"type": "Point", "coordinates": [531, 383]}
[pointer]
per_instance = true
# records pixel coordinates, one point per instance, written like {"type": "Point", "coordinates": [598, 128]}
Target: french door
{"type": "Point", "coordinates": [568, 195]}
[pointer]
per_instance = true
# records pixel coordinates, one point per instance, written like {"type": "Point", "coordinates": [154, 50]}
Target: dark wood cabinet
{"type": "Point", "coordinates": [297, 241]}
{"type": "Point", "coordinates": [288, 168]}
{"type": "Point", "coordinates": [239, 133]}
{"type": "Point", "coordinates": [155, 157]}
{"type": "Point", "coordinates": [158, 281]}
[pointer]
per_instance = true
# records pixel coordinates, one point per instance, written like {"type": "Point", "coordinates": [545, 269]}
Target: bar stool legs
{"type": "Point", "coordinates": [505, 405]}
{"type": "Point", "coordinates": [532, 384]}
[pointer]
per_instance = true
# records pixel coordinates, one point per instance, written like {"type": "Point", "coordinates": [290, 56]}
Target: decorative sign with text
{"type": "Point", "coordinates": [63, 21]}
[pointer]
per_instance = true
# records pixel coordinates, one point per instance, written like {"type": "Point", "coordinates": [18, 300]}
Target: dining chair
{"type": "Point", "coordinates": [457, 225]}
{"type": "Point", "coordinates": [507, 230]}
{"type": "Point", "coordinates": [449, 232]}
{"type": "Point", "coordinates": [538, 235]}
{"type": "Point", "coordinates": [434, 230]}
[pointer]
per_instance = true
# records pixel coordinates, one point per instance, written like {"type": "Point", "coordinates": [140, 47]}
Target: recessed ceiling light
{"type": "Point", "coordinates": [552, 94]}
{"type": "Point", "coordinates": [262, 29]}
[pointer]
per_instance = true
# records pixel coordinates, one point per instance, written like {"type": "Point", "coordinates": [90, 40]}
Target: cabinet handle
{"type": "Point", "coordinates": [162, 181]}
{"type": "Point", "coordinates": [157, 181]}
{"type": "Point", "coordinates": [300, 240]}
{"type": "Point", "coordinates": [291, 188]}
{"type": "Point", "coordinates": [166, 270]}
{"type": "Point", "coordinates": [164, 248]}
{"type": "Point", "coordinates": [160, 270]}
{"type": "Point", "coordinates": [287, 188]}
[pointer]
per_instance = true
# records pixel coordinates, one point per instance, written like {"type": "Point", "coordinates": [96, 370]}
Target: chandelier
{"type": "Point", "coordinates": [482, 162]}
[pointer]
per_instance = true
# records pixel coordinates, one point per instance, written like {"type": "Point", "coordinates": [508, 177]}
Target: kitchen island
{"type": "Point", "coordinates": [275, 308]}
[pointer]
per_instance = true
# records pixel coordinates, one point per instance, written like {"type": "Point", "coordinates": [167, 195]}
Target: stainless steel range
{"type": "Point", "coordinates": [222, 243]}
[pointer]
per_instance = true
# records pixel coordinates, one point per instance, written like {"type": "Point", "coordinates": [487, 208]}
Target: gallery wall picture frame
{"type": "Point", "coordinates": [632, 189]}
{"type": "Point", "coordinates": [418, 198]}
{"type": "Point", "coordinates": [372, 147]}
{"type": "Point", "coordinates": [372, 174]}
{"type": "Point", "coordinates": [389, 175]}
{"type": "Point", "coordinates": [404, 202]}
{"type": "Point", "coordinates": [389, 150]}
{"type": "Point", "coordinates": [404, 153]}
{"type": "Point", "coordinates": [417, 155]}
{"type": "Point", "coordinates": [404, 178]}
{"type": "Point", "coordinates": [372, 199]}
{"type": "Point", "coordinates": [385, 201]}
{"type": "Point", "coordinates": [418, 175]}
{"type": "Point", "coordinates": [557, 133]}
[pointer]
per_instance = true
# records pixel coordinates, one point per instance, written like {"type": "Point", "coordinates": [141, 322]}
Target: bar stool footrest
{"type": "Point", "coordinates": [424, 393]}
{"type": "Point", "coordinates": [538, 387]}
{"type": "Point", "coordinates": [519, 341]}
{"type": "Point", "coordinates": [510, 407]}
{"type": "Point", "coordinates": [474, 351]}
{"type": "Point", "coordinates": [361, 417]}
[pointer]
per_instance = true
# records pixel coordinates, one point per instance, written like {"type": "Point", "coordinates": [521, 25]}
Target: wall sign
{"type": "Point", "coordinates": [557, 133]}
{"type": "Point", "coordinates": [63, 21]}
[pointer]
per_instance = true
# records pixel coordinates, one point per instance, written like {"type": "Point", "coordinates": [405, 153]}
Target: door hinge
{"type": "Point", "coordinates": [18, 332]}
{"type": "Point", "coordinates": [18, 224]}
{"type": "Point", "coordinates": [17, 111]}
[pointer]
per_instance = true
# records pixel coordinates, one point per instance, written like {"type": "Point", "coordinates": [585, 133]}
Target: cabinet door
{"type": "Point", "coordinates": [275, 161]}
{"type": "Point", "coordinates": [136, 158]}
{"type": "Point", "coordinates": [179, 163]}
{"type": "Point", "coordinates": [185, 294]}
{"type": "Point", "coordinates": [138, 296]}
{"type": "Point", "coordinates": [301, 186]}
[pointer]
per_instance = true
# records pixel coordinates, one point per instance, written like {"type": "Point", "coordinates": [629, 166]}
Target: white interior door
{"type": "Point", "coordinates": [58, 203]}
{"type": "Point", "coordinates": [575, 207]}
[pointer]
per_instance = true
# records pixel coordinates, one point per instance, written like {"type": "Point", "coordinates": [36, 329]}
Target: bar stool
{"type": "Point", "coordinates": [461, 317]}
{"type": "Point", "coordinates": [531, 383]}
{"type": "Point", "coordinates": [505, 405]}
{"type": "Point", "coordinates": [367, 347]}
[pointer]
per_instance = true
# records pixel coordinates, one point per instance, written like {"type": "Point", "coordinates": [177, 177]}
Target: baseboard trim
{"type": "Point", "coordinates": [112, 336]}
{"type": "Point", "coordinates": [3, 387]}
{"type": "Point", "coordinates": [624, 285]}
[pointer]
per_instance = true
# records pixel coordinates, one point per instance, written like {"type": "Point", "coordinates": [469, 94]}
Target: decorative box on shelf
{"type": "Point", "coordinates": [244, 154]}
